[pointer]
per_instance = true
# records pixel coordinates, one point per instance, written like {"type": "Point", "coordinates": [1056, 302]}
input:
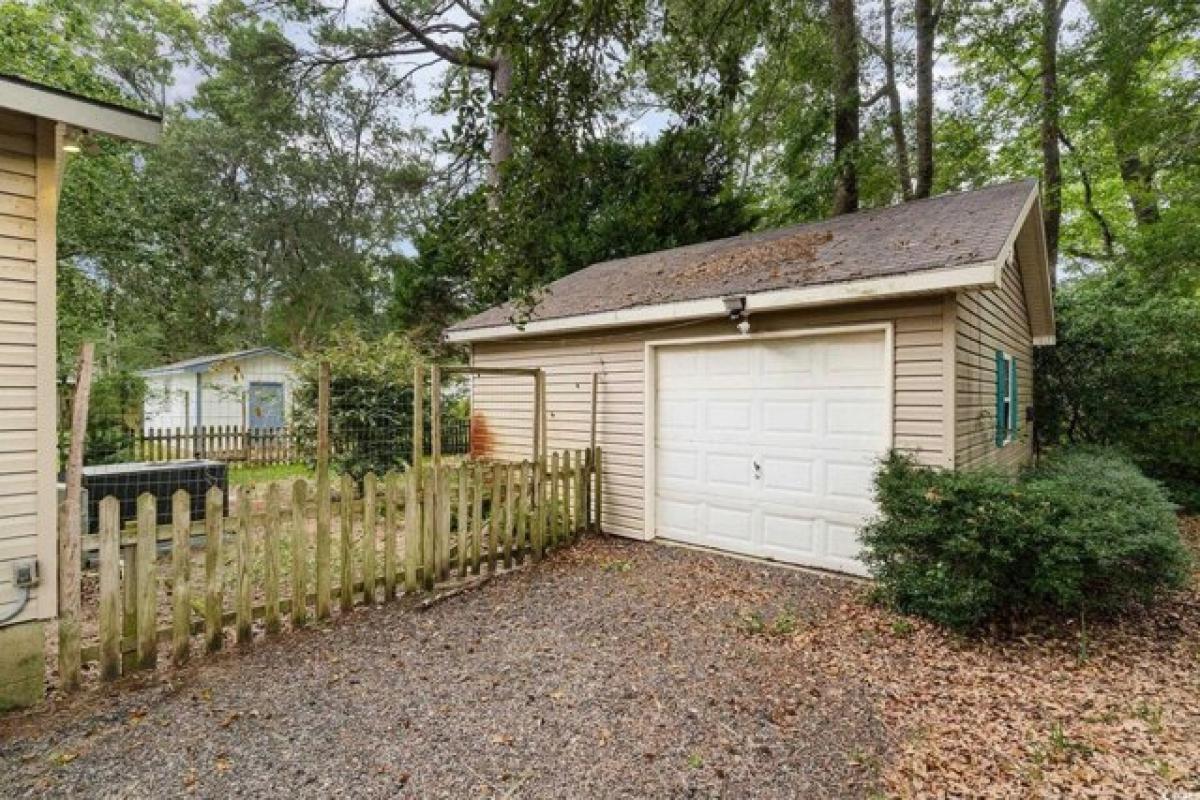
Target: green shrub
{"type": "Point", "coordinates": [1084, 532]}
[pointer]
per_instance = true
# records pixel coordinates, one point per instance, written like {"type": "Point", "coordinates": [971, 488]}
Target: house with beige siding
{"type": "Point", "coordinates": [39, 127]}
{"type": "Point", "coordinates": [747, 387]}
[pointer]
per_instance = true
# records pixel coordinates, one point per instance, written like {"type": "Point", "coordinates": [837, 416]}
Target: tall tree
{"type": "Point", "coordinates": [846, 104]}
{"type": "Point", "coordinates": [1051, 134]}
{"type": "Point", "coordinates": [895, 112]}
{"type": "Point", "coordinates": [927, 13]}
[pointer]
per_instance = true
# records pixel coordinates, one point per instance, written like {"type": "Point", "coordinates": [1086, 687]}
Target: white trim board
{"type": "Point", "coordinates": [985, 274]}
{"type": "Point", "coordinates": [650, 392]}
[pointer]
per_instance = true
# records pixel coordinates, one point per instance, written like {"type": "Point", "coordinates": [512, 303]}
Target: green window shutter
{"type": "Point", "coordinates": [1016, 402]}
{"type": "Point", "coordinates": [1001, 389]}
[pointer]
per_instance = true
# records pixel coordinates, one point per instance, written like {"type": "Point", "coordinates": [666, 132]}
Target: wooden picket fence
{"type": "Point", "coordinates": [297, 553]}
{"type": "Point", "coordinates": [230, 443]}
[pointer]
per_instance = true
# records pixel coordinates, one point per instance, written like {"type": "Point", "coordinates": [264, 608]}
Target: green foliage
{"type": "Point", "coordinates": [609, 200]}
{"type": "Point", "coordinates": [370, 400]}
{"type": "Point", "coordinates": [114, 413]}
{"type": "Point", "coordinates": [1084, 532]}
{"type": "Point", "coordinates": [1126, 372]}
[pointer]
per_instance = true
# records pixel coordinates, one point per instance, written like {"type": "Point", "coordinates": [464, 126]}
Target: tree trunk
{"type": "Point", "coordinates": [501, 147]}
{"type": "Point", "coordinates": [926, 24]}
{"type": "Point", "coordinates": [1051, 161]}
{"type": "Point", "coordinates": [846, 103]}
{"type": "Point", "coordinates": [895, 110]}
{"type": "Point", "coordinates": [1138, 178]}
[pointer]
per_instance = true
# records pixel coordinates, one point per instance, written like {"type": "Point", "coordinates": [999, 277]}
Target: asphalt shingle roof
{"type": "Point", "coordinates": [953, 230]}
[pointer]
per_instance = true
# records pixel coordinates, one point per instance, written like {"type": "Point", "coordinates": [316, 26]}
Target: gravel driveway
{"type": "Point", "coordinates": [613, 669]}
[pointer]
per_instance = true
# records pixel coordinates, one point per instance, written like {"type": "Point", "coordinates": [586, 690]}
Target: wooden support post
{"type": "Point", "coordinates": [271, 559]}
{"type": "Point", "coordinates": [110, 588]}
{"type": "Point", "coordinates": [369, 530]}
{"type": "Point", "coordinates": [579, 478]}
{"type": "Point", "coordinates": [347, 542]}
{"type": "Point", "coordinates": [214, 528]}
{"type": "Point", "coordinates": [147, 605]}
{"type": "Point", "coordinates": [181, 563]}
{"type": "Point", "coordinates": [299, 553]}
{"type": "Point", "coordinates": [324, 511]}
{"type": "Point", "coordinates": [418, 421]}
{"type": "Point", "coordinates": [70, 530]}
{"type": "Point", "coordinates": [435, 416]}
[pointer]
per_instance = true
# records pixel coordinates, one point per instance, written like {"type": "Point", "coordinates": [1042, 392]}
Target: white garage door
{"type": "Point", "coordinates": [767, 447]}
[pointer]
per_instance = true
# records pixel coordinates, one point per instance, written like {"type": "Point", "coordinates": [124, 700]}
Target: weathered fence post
{"type": "Point", "coordinates": [597, 492]}
{"type": "Point", "coordinates": [214, 529]}
{"type": "Point", "coordinates": [242, 608]}
{"type": "Point", "coordinates": [111, 624]}
{"type": "Point", "coordinates": [147, 605]}
{"type": "Point", "coordinates": [464, 518]}
{"type": "Point", "coordinates": [324, 524]}
{"type": "Point", "coordinates": [476, 515]}
{"type": "Point", "coordinates": [271, 560]}
{"type": "Point", "coordinates": [181, 562]}
{"type": "Point", "coordinates": [70, 530]}
{"type": "Point", "coordinates": [347, 543]}
{"type": "Point", "coordinates": [299, 553]}
{"type": "Point", "coordinates": [392, 528]}
{"type": "Point", "coordinates": [369, 530]}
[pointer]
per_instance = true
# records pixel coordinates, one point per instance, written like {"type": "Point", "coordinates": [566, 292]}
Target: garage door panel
{"type": "Point", "coordinates": [781, 416]}
{"type": "Point", "coordinates": [732, 524]}
{"type": "Point", "coordinates": [768, 447]}
{"type": "Point", "coordinates": [787, 473]}
{"type": "Point", "coordinates": [728, 470]}
{"type": "Point", "coordinates": [727, 416]}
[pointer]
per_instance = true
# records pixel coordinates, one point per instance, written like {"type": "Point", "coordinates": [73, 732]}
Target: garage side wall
{"type": "Point", "coordinates": [991, 320]}
{"type": "Point", "coordinates": [28, 204]}
{"type": "Point", "coordinates": [502, 406]}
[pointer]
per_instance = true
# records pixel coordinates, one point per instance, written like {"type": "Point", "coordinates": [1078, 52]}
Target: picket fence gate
{"type": "Point", "coordinates": [417, 531]}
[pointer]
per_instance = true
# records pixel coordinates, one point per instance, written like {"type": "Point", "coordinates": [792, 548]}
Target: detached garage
{"type": "Point", "coordinates": [748, 386]}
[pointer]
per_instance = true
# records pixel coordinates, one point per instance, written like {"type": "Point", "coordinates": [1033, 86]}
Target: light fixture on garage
{"type": "Point", "coordinates": [736, 308]}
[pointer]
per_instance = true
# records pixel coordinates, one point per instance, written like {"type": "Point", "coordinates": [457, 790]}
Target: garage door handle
{"type": "Point", "coordinates": [757, 470]}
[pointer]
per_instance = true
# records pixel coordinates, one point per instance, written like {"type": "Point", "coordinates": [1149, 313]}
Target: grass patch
{"type": "Point", "coordinates": [240, 475]}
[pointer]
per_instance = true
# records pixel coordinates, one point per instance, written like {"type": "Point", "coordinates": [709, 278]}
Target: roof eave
{"type": "Point", "coordinates": [983, 274]}
{"type": "Point", "coordinates": [27, 98]}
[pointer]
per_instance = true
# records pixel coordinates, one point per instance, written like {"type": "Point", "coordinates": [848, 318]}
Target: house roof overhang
{"type": "Point", "coordinates": [77, 111]}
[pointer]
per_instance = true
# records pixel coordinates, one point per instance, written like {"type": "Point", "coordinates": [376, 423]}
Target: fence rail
{"type": "Point", "coordinates": [265, 446]}
{"type": "Point", "coordinates": [293, 553]}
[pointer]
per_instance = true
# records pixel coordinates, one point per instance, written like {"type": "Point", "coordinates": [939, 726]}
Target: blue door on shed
{"type": "Point", "coordinates": [265, 406]}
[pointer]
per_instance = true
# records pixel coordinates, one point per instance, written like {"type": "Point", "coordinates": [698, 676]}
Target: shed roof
{"type": "Point", "coordinates": [203, 363]}
{"type": "Point", "coordinates": [937, 243]}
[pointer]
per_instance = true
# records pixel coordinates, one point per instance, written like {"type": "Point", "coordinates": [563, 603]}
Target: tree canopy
{"type": "Point", "coordinates": [393, 165]}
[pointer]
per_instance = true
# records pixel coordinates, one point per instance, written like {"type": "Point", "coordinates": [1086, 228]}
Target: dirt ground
{"type": "Point", "coordinates": [619, 669]}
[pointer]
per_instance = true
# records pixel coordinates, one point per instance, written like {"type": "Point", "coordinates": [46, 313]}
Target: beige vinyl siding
{"type": "Point", "coordinates": [503, 406]}
{"type": "Point", "coordinates": [987, 321]}
{"type": "Point", "coordinates": [27, 205]}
